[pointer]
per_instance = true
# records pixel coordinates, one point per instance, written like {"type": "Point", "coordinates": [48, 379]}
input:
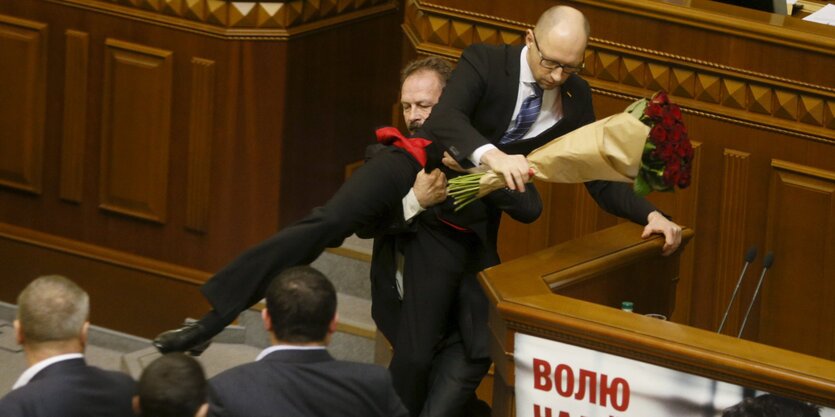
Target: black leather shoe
{"type": "Point", "coordinates": [191, 338]}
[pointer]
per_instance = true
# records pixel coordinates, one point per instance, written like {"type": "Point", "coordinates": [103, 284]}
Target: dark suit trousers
{"type": "Point", "coordinates": [436, 258]}
{"type": "Point", "coordinates": [372, 193]}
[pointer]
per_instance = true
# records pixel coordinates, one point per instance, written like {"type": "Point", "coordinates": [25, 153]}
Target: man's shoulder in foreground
{"type": "Point", "coordinates": [71, 389]}
{"type": "Point", "coordinates": [305, 384]}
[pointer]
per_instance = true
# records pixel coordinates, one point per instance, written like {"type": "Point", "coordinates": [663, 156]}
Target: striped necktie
{"type": "Point", "coordinates": [526, 117]}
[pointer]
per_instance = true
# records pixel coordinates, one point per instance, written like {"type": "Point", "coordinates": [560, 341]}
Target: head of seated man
{"type": "Point", "coordinates": [173, 385]}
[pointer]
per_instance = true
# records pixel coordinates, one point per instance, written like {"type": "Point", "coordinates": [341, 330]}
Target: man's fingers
{"type": "Point", "coordinates": [508, 179]}
{"type": "Point", "coordinates": [520, 182]}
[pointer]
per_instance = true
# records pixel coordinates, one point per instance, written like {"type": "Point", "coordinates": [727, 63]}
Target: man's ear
{"type": "Point", "coordinates": [529, 37]}
{"type": "Point", "coordinates": [332, 325]}
{"type": "Point", "coordinates": [137, 409]}
{"type": "Point", "coordinates": [85, 331]}
{"type": "Point", "coordinates": [203, 411]}
{"type": "Point", "coordinates": [268, 322]}
{"type": "Point", "coordinates": [18, 333]}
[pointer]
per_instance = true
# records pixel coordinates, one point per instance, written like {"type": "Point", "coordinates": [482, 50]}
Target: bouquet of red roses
{"type": "Point", "coordinates": [667, 155]}
{"type": "Point", "coordinates": [647, 145]}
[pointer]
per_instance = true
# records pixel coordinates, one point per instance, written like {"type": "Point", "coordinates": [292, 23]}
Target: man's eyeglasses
{"type": "Point", "coordinates": [552, 65]}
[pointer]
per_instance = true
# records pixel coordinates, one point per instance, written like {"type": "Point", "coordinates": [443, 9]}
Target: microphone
{"type": "Point", "coordinates": [749, 257]}
{"type": "Point", "coordinates": [767, 261]}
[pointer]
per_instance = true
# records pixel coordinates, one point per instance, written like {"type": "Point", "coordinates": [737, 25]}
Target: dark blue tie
{"type": "Point", "coordinates": [526, 117]}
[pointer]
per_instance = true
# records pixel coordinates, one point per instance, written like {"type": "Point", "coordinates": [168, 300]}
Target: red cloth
{"type": "Point", "coordinates": [415, 146]}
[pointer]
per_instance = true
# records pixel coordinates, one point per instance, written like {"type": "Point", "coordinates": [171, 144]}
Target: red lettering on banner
{"type": "Point", "coordinates": [623, 404]}
{"type": "Point", "coordinates": [564, 376]}
{"type": "Point", "coordinates": [582, 385]}
{"type": "Point", "coordinates": [587, 379]}
{"type": "Point", "coordinates": [611, 392]}
{"type": "Point", "coordinates": [541, 375]}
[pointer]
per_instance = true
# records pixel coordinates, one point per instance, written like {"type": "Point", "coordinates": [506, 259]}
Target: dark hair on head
{"type": "Point", "coordinates": [301, 303]}
{"type": "Point", "coordinates": [769, 405]}
{"type": "Point", "coordinates": [173, 385]}
{"type": "Point", "coordinates": [441, 66]}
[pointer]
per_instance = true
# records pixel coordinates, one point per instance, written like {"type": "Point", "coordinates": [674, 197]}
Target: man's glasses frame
{"type": "Point", "coordinates": [552, 64]}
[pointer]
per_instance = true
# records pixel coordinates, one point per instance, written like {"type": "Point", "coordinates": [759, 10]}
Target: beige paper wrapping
{"type": "Point", "coordinates": [608, 149]}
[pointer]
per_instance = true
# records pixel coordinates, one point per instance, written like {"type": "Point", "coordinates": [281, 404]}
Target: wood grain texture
{"type": "Point", "coordinates": [75, 115]}
{"type": "Point", "coordinates": [136, 130]}
{"type": "Point", "coordinates": [200, 144]}
{"type": "Point", "coordinates": [23, 45]}
{"type": "Point", "coordinates": [795, 307]}
{"type": "Point", "coordinates": [731, 245]}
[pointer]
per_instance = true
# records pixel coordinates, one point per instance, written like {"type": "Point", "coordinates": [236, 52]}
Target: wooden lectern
{"type": "Point", "coordinates": [571, 293]}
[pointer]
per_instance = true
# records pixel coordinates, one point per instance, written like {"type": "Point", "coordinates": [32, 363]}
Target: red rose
{"type": "Point", "coordinates": [655, 112]}
{"type": "Point", "coordinates": [660, 98]}
{"type": "Point", "coordinates": [675, 111]}
{"type": "Point", "coordinates": [666, 152]}
{"type": "Point", "coordinates": [658, 134]}
{"type": "Point", "coordinates": [685, 150]}
{"type": "Point", "coordinates": [668, 120]}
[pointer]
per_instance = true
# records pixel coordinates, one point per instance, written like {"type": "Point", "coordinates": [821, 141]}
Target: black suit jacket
{"type": "Point", "coordinates": [304, 383]}
{"type": "Point", "coordinates": [478, 103]}
{"type": "Point", "coordinates": [71, 389]}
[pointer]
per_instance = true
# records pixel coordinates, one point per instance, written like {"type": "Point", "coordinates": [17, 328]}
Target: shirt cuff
{"type": "Point", "coordinates": [475, 158]}
{"type": "Point", "coordinates": [411, 207]}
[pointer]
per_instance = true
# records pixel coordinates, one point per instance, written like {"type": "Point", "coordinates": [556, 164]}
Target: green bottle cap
{"type": "Point", "coordinates": [627, 306]}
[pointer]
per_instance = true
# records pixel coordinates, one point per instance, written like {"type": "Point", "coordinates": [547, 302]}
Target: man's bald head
{"type": "Point", "coordinates": [558, 40]}
{"type": "Point", "coordinates": [565, 18]}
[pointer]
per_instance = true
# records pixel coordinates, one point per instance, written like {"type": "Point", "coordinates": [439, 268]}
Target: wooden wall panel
{"type": "Point", "coordinates": [127, 292]}
{"type": "Point", "coordinates": [23, 46]}
{"type": "Point", "coordinates": [731, 245]}
{"type": "Point", "coordinates": [75, 115]}
{"type": "Point", "coordinates": [796, 309]}
{"type": "Point", "coordinates": [200, 143]}
{"type": "Point", "coordinates": [136, 130]}
{"type": "Point", "coordinates": [206, 121]}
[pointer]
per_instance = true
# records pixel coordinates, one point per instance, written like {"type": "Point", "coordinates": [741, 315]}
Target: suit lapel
{"type": "Point", "coordinates": [510, 87]}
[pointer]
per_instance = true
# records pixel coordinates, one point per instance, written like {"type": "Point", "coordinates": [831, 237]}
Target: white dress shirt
{"type": "Point", "coordinates": [549, 115]}
{"type": "Point", "coordinates": [275, 348]}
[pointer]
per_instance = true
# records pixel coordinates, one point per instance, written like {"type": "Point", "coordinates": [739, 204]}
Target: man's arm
{"type": "Point", "coordinates": [619, 199]}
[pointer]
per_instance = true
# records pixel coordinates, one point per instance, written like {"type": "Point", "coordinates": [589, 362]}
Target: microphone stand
{"type": "Point", "coordinates": [749, 257]}
{"type": "Point", "coordinates": [767, 261]}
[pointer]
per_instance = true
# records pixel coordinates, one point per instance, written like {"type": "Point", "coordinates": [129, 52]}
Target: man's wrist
{"type": "Point", "coordinates": [411, 206]}
{"type": "Point", "coordinates": [477, 157]}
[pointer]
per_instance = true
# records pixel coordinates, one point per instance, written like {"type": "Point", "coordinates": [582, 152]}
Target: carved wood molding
{"type": "Point", "coordinates": [731, 242]}
{"type": "Point", "coordinates": [256, 20]}
{"type": "Point", "coordinates": [792, 107]}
